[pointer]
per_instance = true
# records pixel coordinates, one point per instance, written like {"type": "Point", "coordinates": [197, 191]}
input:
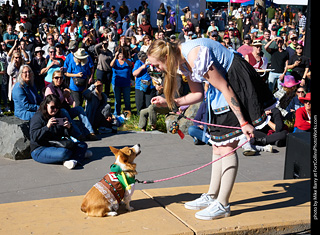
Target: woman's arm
{"type": "Point", "coordinates": [138, 70]}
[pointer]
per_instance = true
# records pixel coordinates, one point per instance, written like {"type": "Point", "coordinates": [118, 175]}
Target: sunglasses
{"type": "Point", "coordinates": [298, 48]}
{"type": "Point", "coordinates": [52, 51]}
{"type": "Point", "coordinates": [300, 92]}
{"type": "Point", "coordinates": [58, 77]}
{"type": "Point", "coordinates": [53, 107]}
{"type": "Point", "coordinates": [49, 38]}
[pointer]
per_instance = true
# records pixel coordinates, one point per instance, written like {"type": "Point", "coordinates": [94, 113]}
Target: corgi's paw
{"type": "Point", "coordinates": [112, 213]}
{"type": "Point", "coordinates": [129, 208]}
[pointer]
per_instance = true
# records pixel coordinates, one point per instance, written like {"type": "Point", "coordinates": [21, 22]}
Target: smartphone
{"type": "Point", "coordinates": [60, 121]}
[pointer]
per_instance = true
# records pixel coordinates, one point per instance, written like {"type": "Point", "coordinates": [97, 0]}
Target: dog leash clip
{"type": "Point", "coordinates": [144, 181]}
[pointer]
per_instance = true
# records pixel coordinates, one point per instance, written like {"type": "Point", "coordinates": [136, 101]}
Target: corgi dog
{"type": "Point", "coordinates": [104, 197]}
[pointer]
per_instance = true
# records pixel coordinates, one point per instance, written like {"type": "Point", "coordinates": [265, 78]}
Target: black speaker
{"type": "Point", "coordinates": [298, 156]}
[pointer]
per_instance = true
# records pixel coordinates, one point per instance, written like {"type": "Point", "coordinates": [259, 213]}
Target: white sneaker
{"type": "Point", "coordinates": [214, 211]}
{"type": "Point", "coordinates": [268, 148]}
{"type": "Point", "coordinates": [70, 164]}
{"type": "Point", "coordinates": [88, 154]}
{"type": "Point", "coordinates": [200, 203]}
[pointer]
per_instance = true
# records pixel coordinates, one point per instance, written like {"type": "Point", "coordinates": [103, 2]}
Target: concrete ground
{"type": "Point", "coordinates": [259, 181]}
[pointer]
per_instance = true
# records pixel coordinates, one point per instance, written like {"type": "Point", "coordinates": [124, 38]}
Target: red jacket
{"type": "Point", "coordinates": [301, 119]}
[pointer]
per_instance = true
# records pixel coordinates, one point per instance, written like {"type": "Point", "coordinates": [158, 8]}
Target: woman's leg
{"type": "Point", "coordinates": [117, 101]}
{"type": "Point", "coordinates": [79, 111]}
{"type": "Point", "coordinates": [126, 97]}
{"type": "Point", "coordinates": [139, 100]}
{"type": "Point", "coordinates": [223, 172]}
{"type": "Point", "coordinates": [49, 155]}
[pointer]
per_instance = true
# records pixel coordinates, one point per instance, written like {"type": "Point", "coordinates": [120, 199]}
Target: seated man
{"type": "Point", "coordinates": [97, 108]}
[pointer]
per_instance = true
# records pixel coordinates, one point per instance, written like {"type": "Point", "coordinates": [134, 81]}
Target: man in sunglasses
{"type": "Point", "coordinates": [50, 43]}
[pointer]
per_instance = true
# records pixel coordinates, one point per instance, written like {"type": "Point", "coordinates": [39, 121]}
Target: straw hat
{"type": "Point", "coordinates": [256, 42]}
{"type": "Point", "coordinates": [81, 54]}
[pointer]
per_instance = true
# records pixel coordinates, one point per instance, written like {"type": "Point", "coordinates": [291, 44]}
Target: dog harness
{"type": "Point", "coordinates": [115, 185]}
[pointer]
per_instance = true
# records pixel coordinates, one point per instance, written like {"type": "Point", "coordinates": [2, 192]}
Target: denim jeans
{"type": "Point", "coordinates": [126, 97]}
{"type": "Point", "coordinates": [272, 79]}
{"type": "Point", "coordinates": [78, 112]}
{"type": "Point", "coordinates": [195, 131]}
{"type": "Point", "coordinates": [58, 155]}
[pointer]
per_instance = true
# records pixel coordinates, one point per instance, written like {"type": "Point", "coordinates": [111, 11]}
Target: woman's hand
{"type": "Point", "coordinates": [159, 101]}
{"type": "Point", "coordinates": [66, 123]}
{"type": "Point", "coordinates": [248, 131]}
{"type": "Point", "coordinates": [66, 93]}
{"type": "Point", "coordinates": [79, 75]}
{"type": "Point", "coordinates": [52, 121]}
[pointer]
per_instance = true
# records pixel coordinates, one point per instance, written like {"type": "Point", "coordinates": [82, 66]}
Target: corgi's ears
{"type": "Point", "coordinates": [114, 150]}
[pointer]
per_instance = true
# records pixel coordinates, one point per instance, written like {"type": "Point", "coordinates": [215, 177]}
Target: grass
{"type": "Point", "coordinates": [133, 122]}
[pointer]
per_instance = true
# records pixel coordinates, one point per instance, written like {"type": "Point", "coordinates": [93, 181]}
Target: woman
{"type": "Point", "coordinates": [286, 93]}
{"type": "Point", "coordinates": [59, 88]}
{"type": "Point", "coordinates": [73, 31]}
{"type": "Point", "coordinates": [139, 36]}
{"type": "Point", "coordinates": [303, 115]}
{"type": "Point", "coordinates": [231, 79]}
{"type": "Point", "coordinates": [79, 71]}
{"type": "Point", "coordinates": [121, 80]}
{"type": "Point", "coordinates": [295, 104]}
{"type": "Point", "coordinates": [44, 127]}
{"type": "Point", "coordinates": [13, 71]}
{"type": "Point", "coordinates": [147, 40]}
{"type": "Point", "coordinates": [25, 95]}
{"type": "Point", "coordinates": [144, 88]}
{"type": "Point", "coordinates": [123, 45]}
{"type": "Point", "coordinates": [97, 108]}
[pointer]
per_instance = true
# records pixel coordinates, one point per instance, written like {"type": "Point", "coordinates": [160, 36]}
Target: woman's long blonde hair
{"type": "Point", "coordinates": [168, 53]}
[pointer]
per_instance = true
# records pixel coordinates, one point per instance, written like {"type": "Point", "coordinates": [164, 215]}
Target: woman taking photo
{"type": "Point", "coordinates": [47, 125]}
{"type": "Point", "coordinates": [144, 88]}
{"type": "Point", "coordinates": [13, 71]}
{"type": "Point", "coordinates": [121, 80]}
{"type": "Point", "coordinates": [237, 98]}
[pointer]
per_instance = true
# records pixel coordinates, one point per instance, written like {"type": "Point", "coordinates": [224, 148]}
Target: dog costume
{"type": "Point", "coordinates": [116, 185]}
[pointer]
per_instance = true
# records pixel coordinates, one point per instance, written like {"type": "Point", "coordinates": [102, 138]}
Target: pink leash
{"type": "Point", "coordinates": [199, 168]}
{"type": "Point", "coordinates": [189, 172]}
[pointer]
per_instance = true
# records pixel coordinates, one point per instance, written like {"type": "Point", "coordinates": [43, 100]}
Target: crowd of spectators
{"type": "Point", "coordinates": [81, 52]}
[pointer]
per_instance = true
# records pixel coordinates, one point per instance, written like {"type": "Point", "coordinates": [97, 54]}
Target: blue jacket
{"type": "Point", "coordinates": [26, 101]}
